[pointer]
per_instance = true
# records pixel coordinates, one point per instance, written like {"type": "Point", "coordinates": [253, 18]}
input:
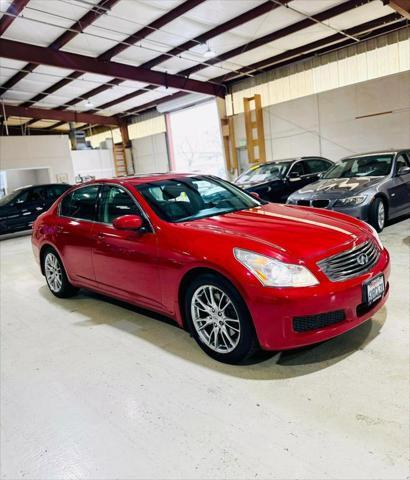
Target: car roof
{"type": "Point", "coordinates": [27, 187]}
{"type": "Point", "coordinates": [144, 178]}
{"type": "Point", "coordinates": [286, 160]}
{"type": "Point", "coordinates": [377, 152]}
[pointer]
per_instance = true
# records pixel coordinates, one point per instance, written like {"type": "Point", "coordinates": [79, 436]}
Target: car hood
{"type": "Point", "coordinates": [340, 186]}
{"type": "Point", "coordinates": [296, 232]}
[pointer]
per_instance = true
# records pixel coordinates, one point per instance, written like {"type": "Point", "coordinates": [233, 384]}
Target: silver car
{"type": "Point", "coordinates": [374, 187]}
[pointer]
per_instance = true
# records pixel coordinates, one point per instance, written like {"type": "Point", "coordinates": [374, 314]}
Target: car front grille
{"type": "Point", "coordinates": [351, 263]}
{"type": "Point", "coordinates": [320, 203]}
{"type": "Point", "coordinates": [321, 320]}
{"type": "Point", "coordinates": [314, 203]}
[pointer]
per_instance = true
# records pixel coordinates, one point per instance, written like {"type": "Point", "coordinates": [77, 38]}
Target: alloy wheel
{"type": "Point", "coordinates": [215, 319]}
{"type": "Point", "coordinates": [381, 215]}
{"type": "Point", "coordinates": [53, 271]}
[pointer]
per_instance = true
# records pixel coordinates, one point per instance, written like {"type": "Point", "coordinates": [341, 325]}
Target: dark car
{"type": "Point", "coordinates": [371, 186]}
{"type": "Point", "coordinates": [19, 209]}
{"type": "Point", "coordinates": [275, 181]}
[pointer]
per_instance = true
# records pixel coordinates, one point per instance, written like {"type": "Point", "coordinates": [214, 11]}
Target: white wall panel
{"type": "Point", "coordinates": [150, 154]}
{"type": "Point", "coordinates": [42, 151]}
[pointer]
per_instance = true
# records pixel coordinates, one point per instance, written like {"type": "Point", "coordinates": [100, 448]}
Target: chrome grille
{"type": "Point", "coordinates": [351, 263]}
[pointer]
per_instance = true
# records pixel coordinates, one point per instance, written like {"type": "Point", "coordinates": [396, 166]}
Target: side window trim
{"type": "Point", "coordinates": [62, 197]}
{"type": "Point", "coordinates": [137, 204]}
{"type": "Point", "coordinates": [293, 166]}
{"type": "Point", "coordinates": [401, 155]}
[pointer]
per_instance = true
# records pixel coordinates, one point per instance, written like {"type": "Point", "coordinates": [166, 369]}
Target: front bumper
{"type": "Point", "coordinates": [274, 309]}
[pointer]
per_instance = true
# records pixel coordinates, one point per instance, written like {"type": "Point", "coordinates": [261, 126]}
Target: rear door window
{"type": "Point", "coordinates": [81, 203]}
{"type": "Point", "coordinates": [317, 165]}
{"type": "Point", "coordinates": [298, 169]}
{"type": "Point", "coordinates": [55, 191]}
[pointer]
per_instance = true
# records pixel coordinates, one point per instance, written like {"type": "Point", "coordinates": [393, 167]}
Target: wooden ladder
{"type": "Point", "coordinates": [120, 162]}
{"type": "Point", "coordinates": [228, 135]}
{"type": "Point", "coordinates": [255, 135]}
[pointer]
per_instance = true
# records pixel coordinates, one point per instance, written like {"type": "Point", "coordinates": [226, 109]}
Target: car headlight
{"type": "Point", "coordinates": [273, 273]}
{"type": "Point", "coordinates": [350, 201]}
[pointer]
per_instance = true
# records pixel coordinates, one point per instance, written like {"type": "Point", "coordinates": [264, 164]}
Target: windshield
{"type": "Point", "coordinates": [368, 166]}
{"type": "Point", "coordinates": [9, 198]}
{"type": "Point", "coordinates": [264, 173]}
{"type": "Point", "coordinates": [191, 198]}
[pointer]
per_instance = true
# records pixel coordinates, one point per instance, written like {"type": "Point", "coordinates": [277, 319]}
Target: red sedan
{"type": "Point", "coordinates": [237, 272]}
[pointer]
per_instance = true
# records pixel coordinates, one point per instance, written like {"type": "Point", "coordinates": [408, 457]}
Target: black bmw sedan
{"type": "Point", "coordinates": [275, 181]}
{"type": "Point", "coordinates": [19, 209]}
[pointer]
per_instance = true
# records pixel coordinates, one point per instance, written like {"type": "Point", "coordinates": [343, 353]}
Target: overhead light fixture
{"type": "Point", "coordinates": [183, 102]}
{"type": "Point", "coordinates": [209, 53]}
{"type": "Point", "coordinates": [88, 104]}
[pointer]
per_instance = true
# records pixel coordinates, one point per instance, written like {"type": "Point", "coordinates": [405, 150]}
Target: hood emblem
{"type": "Point", "coordinates": [362, 259]}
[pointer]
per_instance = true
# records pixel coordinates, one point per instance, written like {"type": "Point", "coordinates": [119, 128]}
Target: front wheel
{"type": "Point", "coordinates": [219, 320]}
{"type": "Point", "coordinates": [56, 277]}
{"type": "Point", "coordinates": [378, 214]}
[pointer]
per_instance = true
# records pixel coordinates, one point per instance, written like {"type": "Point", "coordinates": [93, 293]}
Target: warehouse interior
{"type": "Point", "coordinates": [93, 387]}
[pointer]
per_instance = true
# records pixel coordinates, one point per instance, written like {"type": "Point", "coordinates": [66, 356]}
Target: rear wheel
{"type": "Point", "coordinates": [219, 320]}
{"type": "Point", "coordinates": [56, 277]}
{"type": "Point", "coordinates": [378, 214]}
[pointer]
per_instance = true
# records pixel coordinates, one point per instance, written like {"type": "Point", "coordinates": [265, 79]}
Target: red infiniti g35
{"type": "Point", "coordinates": [237, 272]}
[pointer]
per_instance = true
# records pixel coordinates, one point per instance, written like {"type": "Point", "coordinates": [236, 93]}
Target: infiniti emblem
{"type": "Point", "coordinates": [362, 259]}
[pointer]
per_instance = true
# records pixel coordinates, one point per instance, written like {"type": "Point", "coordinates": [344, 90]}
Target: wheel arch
{"type": "Point", "coordinates": [43, 249]}
{"type": "Point", "coordinates": [188, 277]}
{"type": "Point", "coordinates": [385, 200]}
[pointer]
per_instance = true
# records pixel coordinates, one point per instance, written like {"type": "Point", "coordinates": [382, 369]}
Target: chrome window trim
{"type": "Point", "coordinates": [100, 185]}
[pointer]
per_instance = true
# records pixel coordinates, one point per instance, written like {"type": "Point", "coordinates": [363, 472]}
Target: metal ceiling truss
{"type": "Point", "coordinates": [120, 72]}
{"type": "Point", "coordinates": [298, 26]}
{"type": "Point", "coordinates": [168, 17]}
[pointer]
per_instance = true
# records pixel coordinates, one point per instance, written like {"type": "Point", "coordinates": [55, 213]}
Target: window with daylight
{"type": "Point", "coordinates": [195, 140]}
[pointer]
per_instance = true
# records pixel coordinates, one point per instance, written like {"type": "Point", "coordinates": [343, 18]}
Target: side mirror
{"type": "Point", "coordinates": [293, 176]}
{"type": "Point", "coordinates": [128, 222]}
{"type": "Point", "coordinates": [255, 195]}
{"type": "Point", "coordinates": [403, 170]}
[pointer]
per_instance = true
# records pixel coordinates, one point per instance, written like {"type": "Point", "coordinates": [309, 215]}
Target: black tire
{"type": "Point", "coordinates": [247, 343]}
{"type": "Point", "coordinates": [62, 288]}
{"type": "Point", "coordinates": [377, 219]}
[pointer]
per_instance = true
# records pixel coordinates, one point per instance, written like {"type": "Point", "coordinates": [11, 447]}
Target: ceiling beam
{"type": "Point", "coordinates": [224, 27]}
{"type": "Point", "coordinates": [155, 25]}
{"type": "Point", "coordinates": [336, 40]}
{"type": "Point", "coordinates": [47, 56]}
{"type": "Point", "coordinates": [368, 29]}
{"type": "Point", "coordinates": [218, 30]}
{"type": "Point", "coordinates": [139, 35]}
{"type": "Point", "coordinates": [84, 22]}
{"type": "Point", "coordinates": [401, 6]}
{"type": "Point", "coordinates": [283, 32]}
{"type": "Point", "coordinates": [14, 9]}
{"type": "Point", "coordinates": [65, 115]}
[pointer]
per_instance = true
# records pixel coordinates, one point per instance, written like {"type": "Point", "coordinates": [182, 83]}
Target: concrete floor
{"type": "Point", "coordinates": [91, 389]}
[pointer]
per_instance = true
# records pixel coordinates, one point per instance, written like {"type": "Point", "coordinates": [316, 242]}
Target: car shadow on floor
{"type": "Point", "coordinates": [165, 334]}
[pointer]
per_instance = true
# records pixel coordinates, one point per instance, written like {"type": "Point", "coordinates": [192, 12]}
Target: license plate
{"type": "Point", "coordinates": [374, 289]}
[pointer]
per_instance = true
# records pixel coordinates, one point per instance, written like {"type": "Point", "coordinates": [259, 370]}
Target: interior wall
{"type": "Point", "coordinates": [150, 154]}
{"type": "Point", "coordinates": [96, 163]}
{"type": "Point", "coordinates": [372, 115]}
{"type": "Point", "coordinates": [40, 151]}
{"type": "Point", "coordinates": [22, 177]}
